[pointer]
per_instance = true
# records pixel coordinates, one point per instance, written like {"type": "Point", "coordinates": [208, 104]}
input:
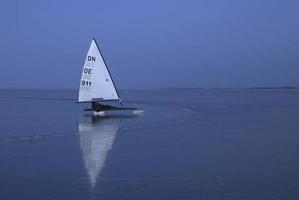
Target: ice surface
{"type": "Point", "coordinates": [189, 144]}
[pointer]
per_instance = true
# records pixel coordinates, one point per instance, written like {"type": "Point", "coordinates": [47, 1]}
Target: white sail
{"type": "Point", "coordinates": [96, 139]}
{"type": "Point", "coordinates": [96, 82]}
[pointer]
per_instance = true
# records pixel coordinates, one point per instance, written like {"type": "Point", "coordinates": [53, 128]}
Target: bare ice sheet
{"type": "Point", "coordinates": [189, 144]}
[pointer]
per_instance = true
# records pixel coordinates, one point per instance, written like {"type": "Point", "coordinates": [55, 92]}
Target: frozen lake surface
{"type": "Point", "coordinates": [189, 144]}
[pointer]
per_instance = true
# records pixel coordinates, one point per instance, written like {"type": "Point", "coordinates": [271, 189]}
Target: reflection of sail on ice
{"type": "Point", "coordinates": [96, 139]}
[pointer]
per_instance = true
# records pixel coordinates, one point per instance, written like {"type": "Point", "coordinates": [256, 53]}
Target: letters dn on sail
{"type": "Point", "coordinates": [91, 58]}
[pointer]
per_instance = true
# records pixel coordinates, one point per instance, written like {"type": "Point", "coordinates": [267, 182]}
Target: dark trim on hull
{"type": "Point", "coordinates": [100, 107]}
{"type": "Point", "coordinates": [112, 108]}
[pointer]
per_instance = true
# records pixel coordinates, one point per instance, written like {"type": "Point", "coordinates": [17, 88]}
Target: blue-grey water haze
{"type": "Point", "coordinates": [189, 144]}
{"type": "Point", "coordinates": [151, 44]}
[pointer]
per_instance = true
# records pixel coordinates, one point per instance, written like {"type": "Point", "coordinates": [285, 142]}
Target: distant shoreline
{"type": "Point", "coordinates": [273, 88]}
{"type": "Point", "coordinates": [246, 88]}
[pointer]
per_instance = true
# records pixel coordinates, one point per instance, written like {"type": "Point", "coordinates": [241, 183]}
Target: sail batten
{"type": "Point", "coordinates": [96, 82]}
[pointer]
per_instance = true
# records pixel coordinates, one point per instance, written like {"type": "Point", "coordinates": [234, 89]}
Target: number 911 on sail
{"type": "Point", "coordinates": [86, 83]}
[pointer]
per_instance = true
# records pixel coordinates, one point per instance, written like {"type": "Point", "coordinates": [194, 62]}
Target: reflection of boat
{"type": "Point", "coordinates": [96, 139]}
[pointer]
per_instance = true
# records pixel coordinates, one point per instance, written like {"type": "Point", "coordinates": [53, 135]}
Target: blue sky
{"type": "Point", "coordinates": [151, 44]}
